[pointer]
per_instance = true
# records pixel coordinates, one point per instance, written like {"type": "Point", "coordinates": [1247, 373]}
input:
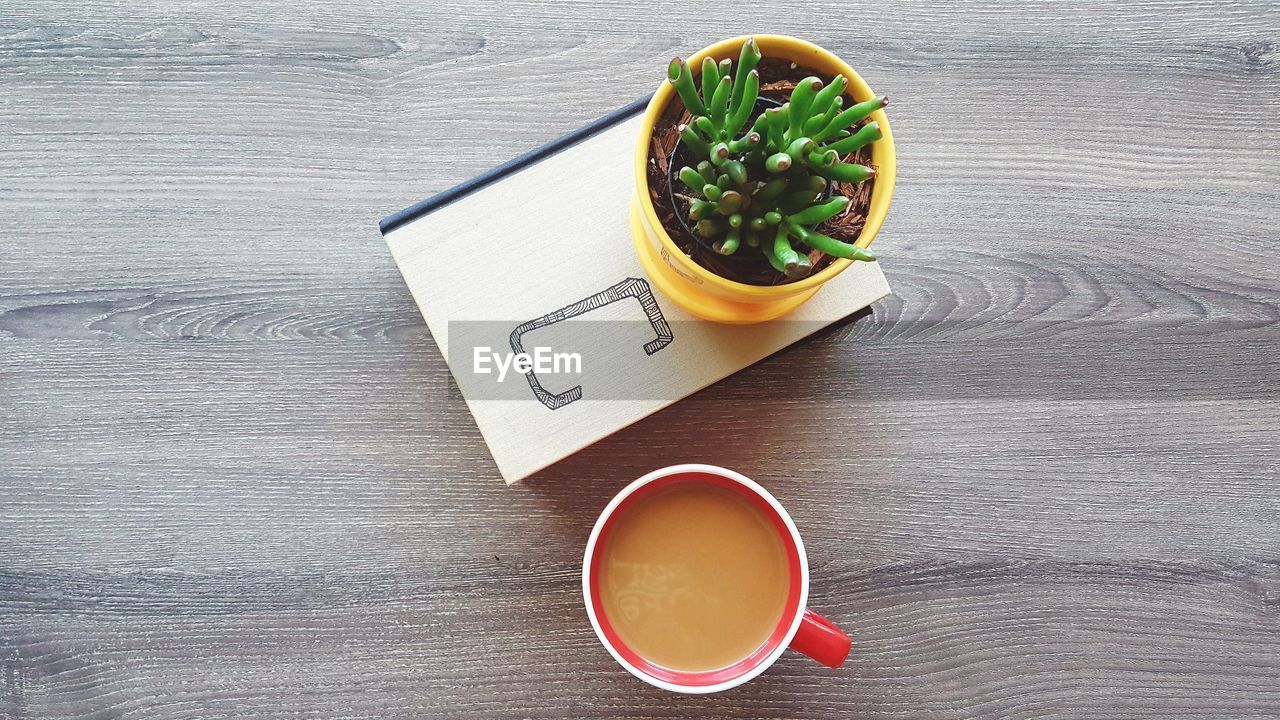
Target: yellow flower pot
{"type": "Point", "coordinates": [702, 292]}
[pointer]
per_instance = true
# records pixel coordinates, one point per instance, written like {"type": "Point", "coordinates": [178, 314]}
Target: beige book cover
{"type": "Point", "coordinates": [528, 281]}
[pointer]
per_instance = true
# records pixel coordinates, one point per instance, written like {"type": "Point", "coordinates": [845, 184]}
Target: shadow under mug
{"type": "Point", "coordinates": [799, 628]}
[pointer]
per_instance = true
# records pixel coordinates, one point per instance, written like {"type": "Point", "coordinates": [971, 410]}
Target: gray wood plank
{"type": "Point", "coordinates": [1039, 481]}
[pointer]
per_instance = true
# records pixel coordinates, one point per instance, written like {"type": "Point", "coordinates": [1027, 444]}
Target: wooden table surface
{"type": "Point", "coordinates": [1039, 481]}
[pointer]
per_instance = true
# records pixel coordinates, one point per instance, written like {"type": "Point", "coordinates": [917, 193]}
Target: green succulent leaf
{"type": "Point", "coordinates": [866, 135]}
{"type": "Point", "coordinates": [728, 246]}
{"type": "Point", "coordinates": [846, 172]}
{"type": "Point", "coordinates": [692, 178]}
{"type": "Point", "coordinates": [801, 100]}
{"type": "Point", "coordinates": [680, 77]}
{"type": "Point", "coordinates": [710, 77]}
{"type": "Point", "coordinates": [851, 116]}
{"type": "Point", "coordinates": [778, 163]}
{"type": "Point", "coordinates": [830, 245]}
{"type": "Point", "coordinates": [820, 213]}
{"type": "Point", "coordinates": [741, 107]}
{"type": "Point", "coordinates": [828, 95]}
{"type": "Point", "coordinates": [690, 137]}
{"type": "Point", "coordinates": [748, 57]}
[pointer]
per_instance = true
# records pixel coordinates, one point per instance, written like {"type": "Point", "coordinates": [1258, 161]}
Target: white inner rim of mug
{"type": "Point", "coordinates": [754, 487]}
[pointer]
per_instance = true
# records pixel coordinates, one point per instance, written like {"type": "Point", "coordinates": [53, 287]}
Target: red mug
{"type": "Point", "coordinates": [799, 628]}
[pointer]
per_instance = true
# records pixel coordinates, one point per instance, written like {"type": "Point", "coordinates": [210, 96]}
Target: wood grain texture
{"type": "Point", "coordinates": [1040, 481]}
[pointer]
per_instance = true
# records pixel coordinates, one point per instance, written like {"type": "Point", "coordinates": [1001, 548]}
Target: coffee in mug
{"type": "Point", "coordinates": [695, 580]}
{"type": "Point", "coordinates": [693, 576]}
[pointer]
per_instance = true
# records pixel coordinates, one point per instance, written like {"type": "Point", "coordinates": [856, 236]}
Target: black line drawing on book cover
{"type": "Point", "coordinates": [629, 288]}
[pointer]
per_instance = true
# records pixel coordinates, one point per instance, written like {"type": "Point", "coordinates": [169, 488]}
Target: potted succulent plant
{"type": "Point", "coordinates": [764, 168]}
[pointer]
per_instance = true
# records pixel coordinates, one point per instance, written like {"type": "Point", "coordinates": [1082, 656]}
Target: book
{"type": "Point", "coordinates": [528, 280]}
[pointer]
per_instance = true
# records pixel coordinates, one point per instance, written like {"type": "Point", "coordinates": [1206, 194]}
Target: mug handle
{"type": "Point", "coordinates": [821, 640]}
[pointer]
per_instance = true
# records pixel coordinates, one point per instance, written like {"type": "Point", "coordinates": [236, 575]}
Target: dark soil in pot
{"type": "Point", "coordinates": [671, 201]}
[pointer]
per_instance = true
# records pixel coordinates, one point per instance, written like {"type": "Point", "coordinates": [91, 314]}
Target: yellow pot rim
{"type": "Point", "coordinates": [883, 157]}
